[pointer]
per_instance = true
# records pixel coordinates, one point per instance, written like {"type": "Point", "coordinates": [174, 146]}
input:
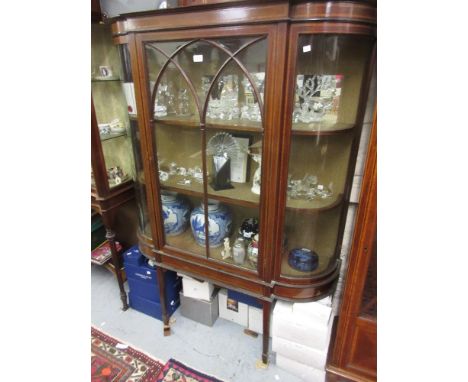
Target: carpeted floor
{"type": "Point", "coordinates": [117, 362]}
{"type": "Point", "coordinates": [112, 360]}
{"type": "Point", "coordinates": [175, 371]}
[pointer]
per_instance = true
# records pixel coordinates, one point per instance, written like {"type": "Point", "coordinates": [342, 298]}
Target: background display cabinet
{"type": "Point", "coordinates": [117, 171]}
{"type": "Point", "coordinates": [250, 115]}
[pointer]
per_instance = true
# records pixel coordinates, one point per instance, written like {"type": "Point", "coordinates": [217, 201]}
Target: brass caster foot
{"type": "Point", "coordinates": [167, 330]}
{"type": "Point", "coordinates": [261, 364]}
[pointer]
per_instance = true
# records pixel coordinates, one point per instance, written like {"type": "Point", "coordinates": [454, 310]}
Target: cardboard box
{"type": "Point", "coordinates": [198, 289]}
{"type": "Point", "coordinates": [320, 310]}
{"type": "Point", "coordinates": [245, 298]}
{"type": "Point", "coordinates": [307, 373]}
{"type": "Point", "coordinates": [233, 310]}
{"type": "Point", "coordinates": [300, 353]}
{"type": "Point", "coordinates": [204, 312]}
{"type": "Point", "coordinates": [255, 320]}
{"type": "Point", "coordinates": [300, 328]}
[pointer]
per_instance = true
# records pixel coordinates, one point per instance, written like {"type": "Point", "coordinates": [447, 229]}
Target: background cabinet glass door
{"type": "Point", "coordinates": [108, 87]}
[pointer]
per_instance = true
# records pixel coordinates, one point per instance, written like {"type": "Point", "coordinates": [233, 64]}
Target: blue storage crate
{"type": "Point", "coordinates": [245, 298]}
{"type": "Point", "coordinates": [151, 308]}
{"type": "Point", "coordinates": [143, 280]}
{"type": "Point", "coordinates": [151, 291]}
{"type": "Point", "coordinates": [133, 256]}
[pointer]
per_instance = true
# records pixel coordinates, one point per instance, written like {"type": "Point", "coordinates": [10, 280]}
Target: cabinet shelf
{"type": "Point", "coordinates": [107, 79]}
{"type": "Point", "coordinates": [239, 195]}
{"type": "Point", "coordinates": [186, 242]}
{"type": "Point", "coordinates": [112, 136]}
{"type": "Point", "coordinates": [255, 127]}
{"type": "Point", "coordinates": [314, 206]}
{"type": "Point", "coordinates": [315, 129]}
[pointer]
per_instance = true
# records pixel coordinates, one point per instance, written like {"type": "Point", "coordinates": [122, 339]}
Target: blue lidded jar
{"type": "Point", "coordinates": [176, 213]}
{"type": "Point", "coordinates": [303, 259]}
{"type": "Point", "coordinates": [219, 223]}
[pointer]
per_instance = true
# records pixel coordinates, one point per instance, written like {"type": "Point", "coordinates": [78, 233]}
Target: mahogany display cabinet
{"type": "Point", "coordinates": [250, 115]}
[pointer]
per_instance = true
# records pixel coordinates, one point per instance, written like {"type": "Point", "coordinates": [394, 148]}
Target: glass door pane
{"type": "Point", "coordinates": [369, 293]}
{"type": "Point", "coordinates": [329, 74]}
{"type": "Point", "coordinates": [207, 100]}
{"type": "Point", "coordinates": [109, 91]}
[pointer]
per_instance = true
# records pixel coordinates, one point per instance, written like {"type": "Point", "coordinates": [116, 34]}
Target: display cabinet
{"type": "Point", "coordinates": [115, 155]}
{"type": "Point", "coordinates": [354, 351]}
{"type": "Point", "coordinates": [250, 116]}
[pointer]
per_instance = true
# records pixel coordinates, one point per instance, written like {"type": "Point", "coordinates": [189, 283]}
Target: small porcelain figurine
{"type": "Point", "coordinates": [226, 252]}
{"type": "Point", "coordinates": [105, 71]}
{"type": "Point", "coordinates": [257, 175]}
{"type": "Point", "coordinates": [163, 176]}
{"type": "Point", "coordinates": [116, 126]}
{"type": "Point", "coordinates": [252, 251]}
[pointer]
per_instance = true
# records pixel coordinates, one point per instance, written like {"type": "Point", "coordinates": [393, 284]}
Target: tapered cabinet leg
{"type": "Point", "coordinates": [162, 300]}
{"type": "Point", "coordinates": [266, 331]}
{"type": "Point", "coordinates": [110, 236]}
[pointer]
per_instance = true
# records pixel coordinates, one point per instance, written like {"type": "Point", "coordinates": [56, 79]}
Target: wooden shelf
{"type": "Point", "coordinates": [112, 136]}
{"type": "Point", "coordinates": [314, 206]}
{"type": "Point", "coordinates": [315, 129]}
{"type": "Point", "coordinates": [186, 242]}
{"type": "Point", "coordinates": [239, 195]}
{"type": "Point", "coordinates": [191, 122]}
{"type": "Point", "coordinates": [242, 195]}
{"type": "Point", "coordinates": [108, 79]}
{"type": "Point", "coordinates": [236, 125]}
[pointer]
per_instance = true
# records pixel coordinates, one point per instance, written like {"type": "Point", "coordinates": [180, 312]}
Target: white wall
{"type": "Point", "coordinates": [114, 8]}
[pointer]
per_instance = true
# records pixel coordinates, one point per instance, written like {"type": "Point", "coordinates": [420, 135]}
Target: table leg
{"type": "Point", "coordinates": [266, 330]}
{"type": "Point", "coordinates": [162, 300]}
{"type": "Point", "coordinates": [110, 236]}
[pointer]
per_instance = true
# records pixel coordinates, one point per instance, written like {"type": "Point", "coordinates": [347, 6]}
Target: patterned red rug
{"type": "Point", "coordinates": [175, 371]}
{"type": "Point", "coordinates": [112, 361]}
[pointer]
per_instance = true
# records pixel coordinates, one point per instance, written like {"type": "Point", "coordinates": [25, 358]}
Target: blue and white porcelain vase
{"type": "Point", "coordinates": [176, 213]}
{"type": "Point", "coordinates": [219, 223]}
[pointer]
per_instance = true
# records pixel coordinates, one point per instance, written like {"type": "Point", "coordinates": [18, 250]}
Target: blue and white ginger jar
{"type": "Point", "coordinates": [176, 213]}
{"type": "Point", "coordinates": [219, 223]}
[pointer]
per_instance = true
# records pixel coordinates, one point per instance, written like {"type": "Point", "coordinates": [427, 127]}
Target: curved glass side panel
{"type": "Point", "coordinates": [330, 70]}
{"type": "Point", "coordinates": [329, 74]}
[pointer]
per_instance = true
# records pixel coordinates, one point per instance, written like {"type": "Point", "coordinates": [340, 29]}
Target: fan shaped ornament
{"type": "Point", "coordinates": [222, 146]}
